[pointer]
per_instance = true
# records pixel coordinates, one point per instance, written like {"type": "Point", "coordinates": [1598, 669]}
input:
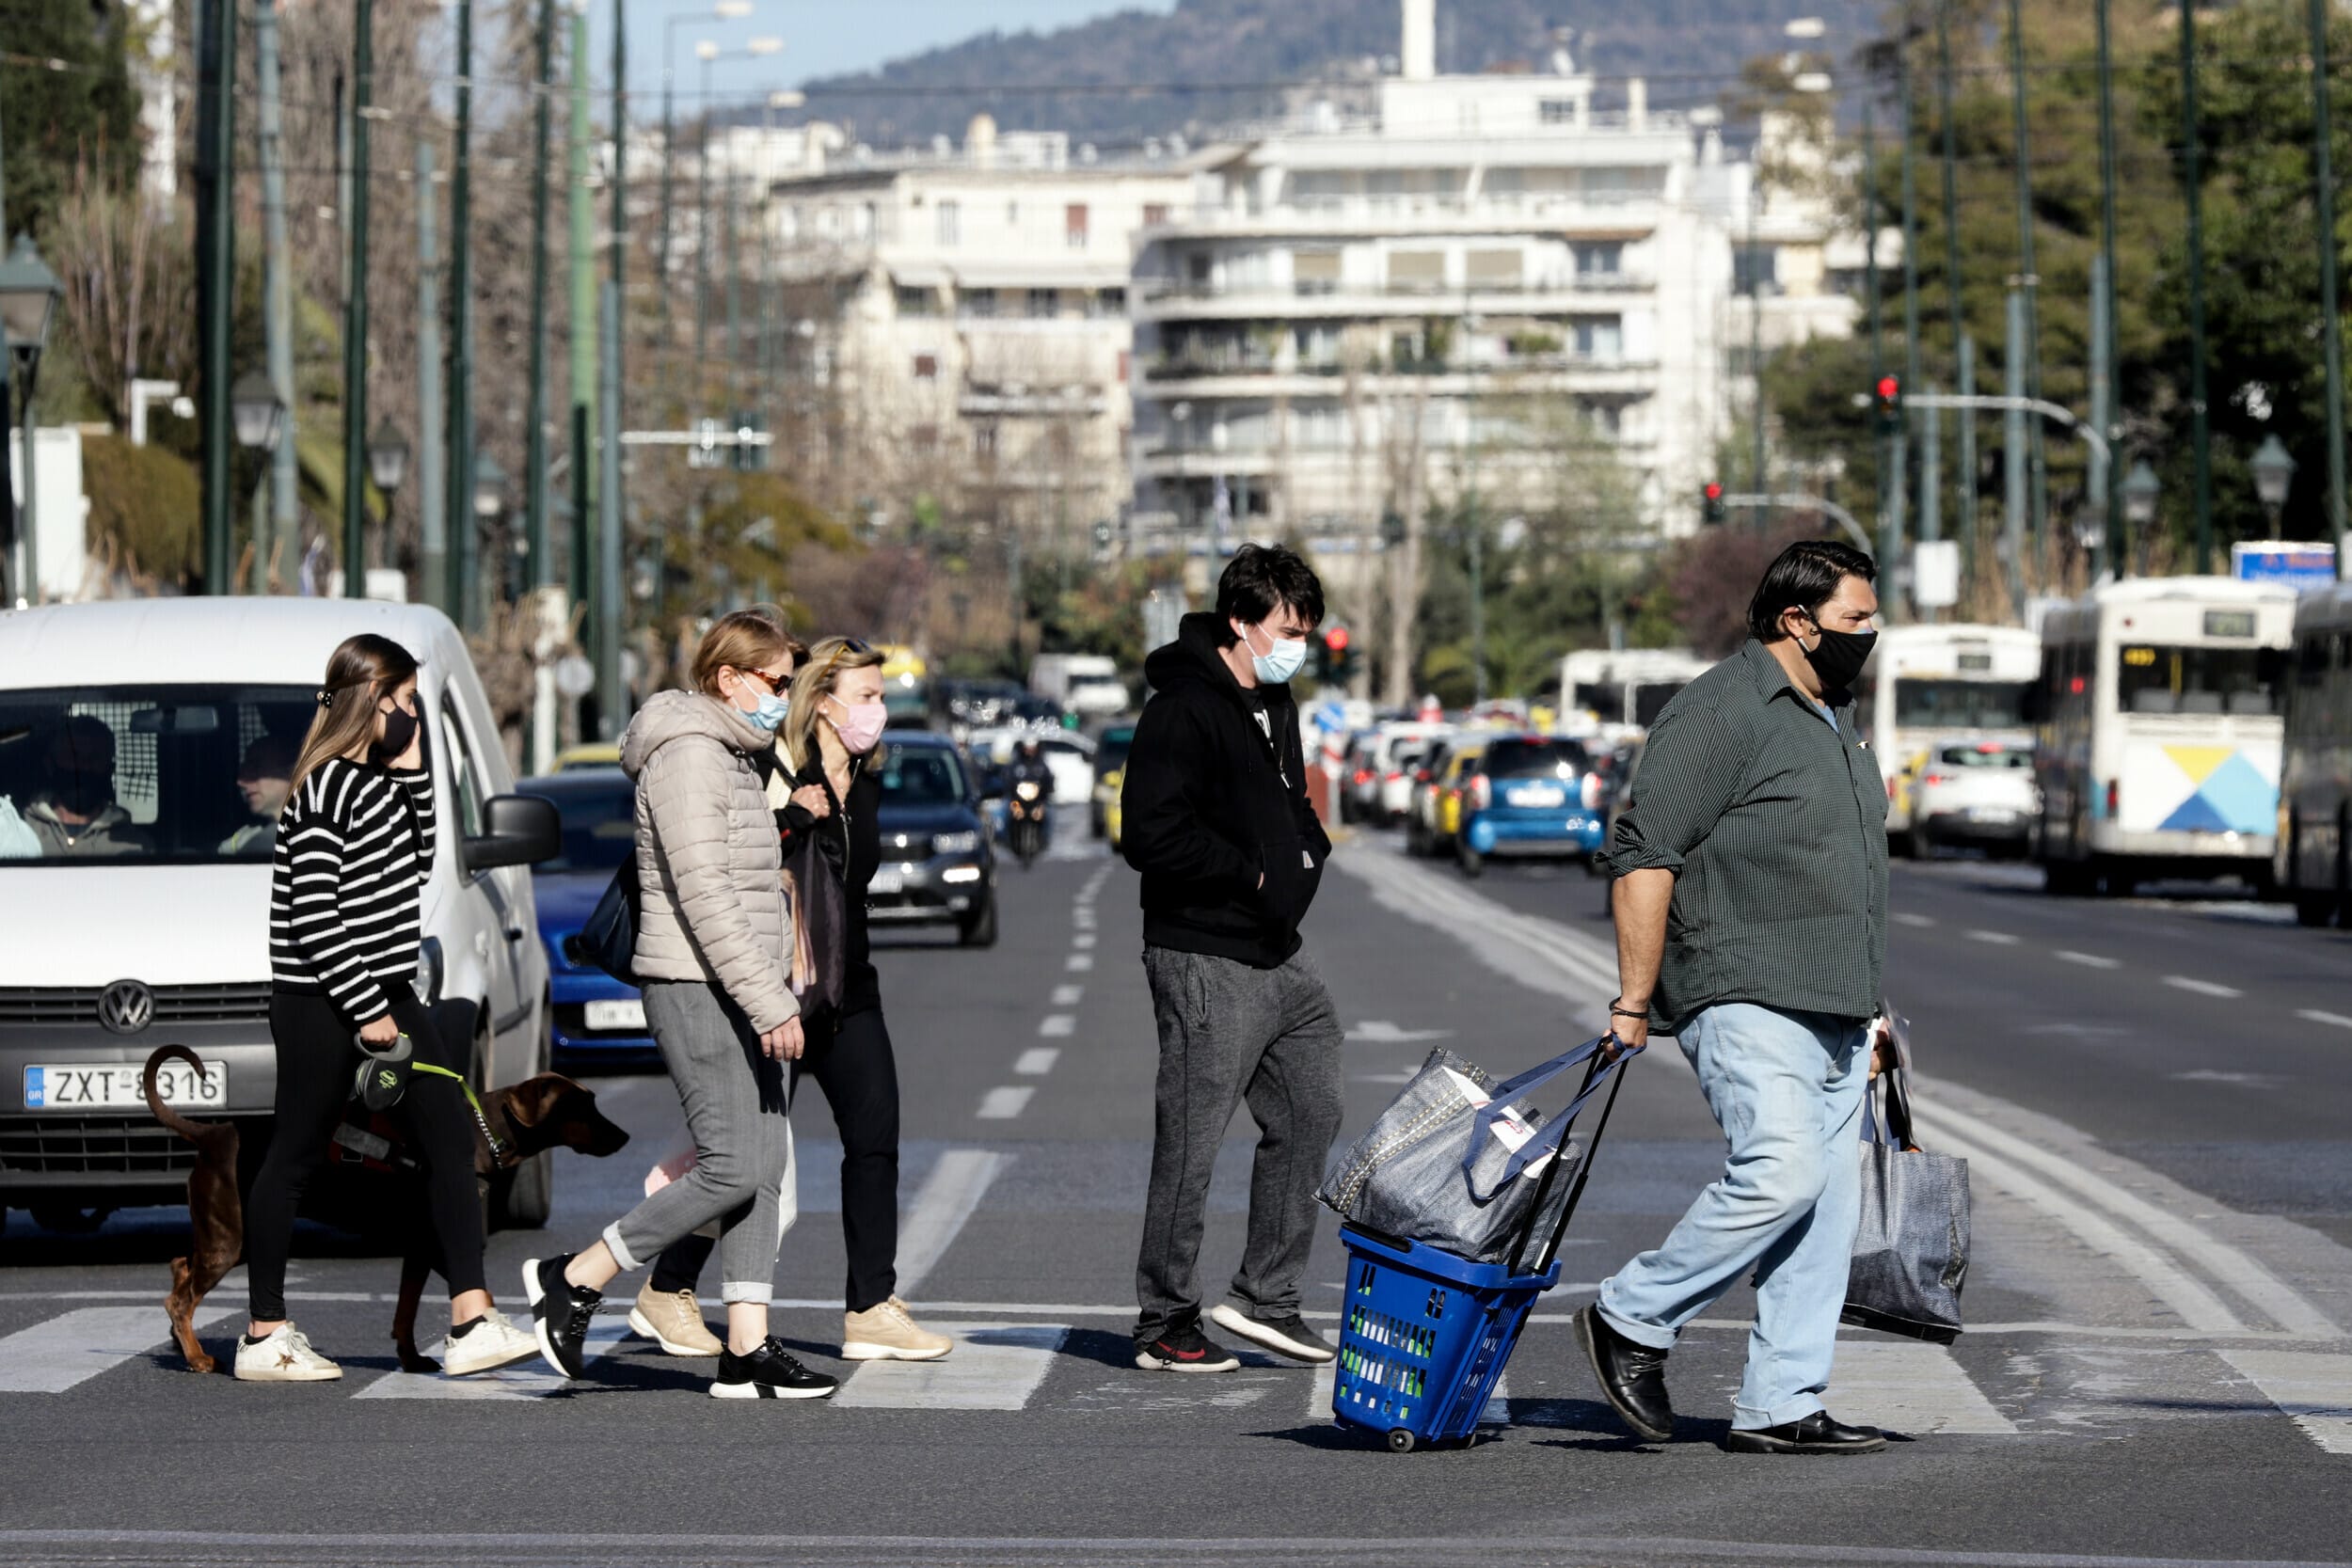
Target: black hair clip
{"type": "Point", "coordinates": [326, 699]}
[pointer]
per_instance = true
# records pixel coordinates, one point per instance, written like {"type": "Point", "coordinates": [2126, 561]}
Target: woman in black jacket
{"type": "Point", "coordinates": [827, 792]}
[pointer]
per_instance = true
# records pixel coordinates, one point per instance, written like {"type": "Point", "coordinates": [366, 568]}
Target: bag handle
{"type": "Point", "coordinates": [1547, 1139]}
{"type": "Point", "coordinates": [1898, 1133]}
{"type": "Point", "coordinates": [1576, 1193]}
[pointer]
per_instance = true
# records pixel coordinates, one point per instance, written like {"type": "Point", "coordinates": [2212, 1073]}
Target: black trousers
{"type": "Point", "coordinates": [852, 1063]}
{"type": "Point", "coordinates": [316, 1061]}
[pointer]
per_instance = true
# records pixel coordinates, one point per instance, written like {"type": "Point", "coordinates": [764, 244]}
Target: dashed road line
{"type": "Point", "coordinates": [1004, 1103]}
{"type": "Point", "coordinates": [1037, 1061]}
{"type": "Point", "coordinates": [1998, 939]}
{"type": "Point", "coordinates": [1080, 962]}
{"type": "Point", "coordinates": [1057, 1026]}
{"type": "Point", "coordinates": [52, 1356]}
{"type": "Point", "coordinates": [1919, 922]}
{"type": "Point", "coordinates": [2313, 1015]}
{"type": "Point", "coordinates": [1067, 996]}
{"type": "Point", "coordinates": [2089, 961]}
{"type": "Point", "coordinates": [1082, 941]}
{"type": "Point", "coordinates": [2203, 988]}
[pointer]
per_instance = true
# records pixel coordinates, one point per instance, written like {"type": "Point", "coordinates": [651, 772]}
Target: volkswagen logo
{"type": "Point", "coordinates": [126, 1008]}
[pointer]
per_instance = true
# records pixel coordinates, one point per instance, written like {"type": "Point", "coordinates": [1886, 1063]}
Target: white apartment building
{"type": "Point", "coordinates": [1360, 315]}
{"type": "Point", "coordinates": [966, 313]}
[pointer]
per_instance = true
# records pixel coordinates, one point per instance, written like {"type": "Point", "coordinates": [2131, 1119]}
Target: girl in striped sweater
{"type": "Point", "coordinates": [354, 849]}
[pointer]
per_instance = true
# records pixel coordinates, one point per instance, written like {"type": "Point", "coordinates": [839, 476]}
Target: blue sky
{"type": "Point", "coordinates": [823, 39]}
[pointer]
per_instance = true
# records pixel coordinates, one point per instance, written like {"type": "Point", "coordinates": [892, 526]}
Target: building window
{"type": "Point", "coordinates": [1110, 302]}
{"type": "Point", "coordinates": [866, 219]}
{"type": "Point", "coordinates": [979, 302]}
{"type": "Point", "coordinates": [1012, 214]}
{"type": "Point", "coordinates": [1044, 305]}
{"type": "Point", "coordinates": [918, 302]}
{"type": "Point", "coordinates": [1126, 363]}
{"type": "Point", "coordinates": [1557, 111]}
{"type": "Point", "coordinates": [924, 437]}
{"type": "Point", "coordinates": [1599, 257]}
{"type": "Point", "coordinates": [1074, 225]}
{"type": "Point", "coordinates": [950, 222]}
{"type": "Point", "coordinates": [927, 367]}
{"type": "Point", "coordinates": [984, 440]}
{"type": "Point", "coordinates": [1601, 338]}
{"type": "Point", "coordinates": [1755, 269]}
{"type": "Point", "coordinates": [1493, 269]}
{"type": "Point", "coordinates": [1155, 215]}
{"type": "Point", "coordinates": [1416, 270]}
{"type": "Point", "coordinates": [1315, 272]}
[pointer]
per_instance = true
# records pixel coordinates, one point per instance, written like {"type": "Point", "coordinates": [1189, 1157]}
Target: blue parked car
{"type": "Point", "coordinates": [593, 1021]}
{"type": "Point", "coordinates": [1530, 795]}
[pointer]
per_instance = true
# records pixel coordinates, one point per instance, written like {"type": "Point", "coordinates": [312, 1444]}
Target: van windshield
{"type": "Point", "coordinates": [1931, 703]}
{"type": "Point", "coordinates": [178, 774]}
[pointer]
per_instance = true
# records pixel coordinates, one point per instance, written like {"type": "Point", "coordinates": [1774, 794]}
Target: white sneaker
{"type": "Point", "coordinates": [493, 1341]}
{"type": "Point", "coordinates": [282, 1356]}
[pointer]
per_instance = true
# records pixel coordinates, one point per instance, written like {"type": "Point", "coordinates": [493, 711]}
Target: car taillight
{"type": "Point", "coordinates": [1936, 777]}
{"type": "Point", "coordinates": [1421, 775]}
{"type": "Point", "coordinates": [1363, 775]}
{"type": "Point", "coordinates": [1482, 793]}
{"type": "Point", "coordinates": [1590, 793]}
{"type": "Point", "coordinates": [1392, 776]}
{"type": "Point", "coordinates": [2111, 799]}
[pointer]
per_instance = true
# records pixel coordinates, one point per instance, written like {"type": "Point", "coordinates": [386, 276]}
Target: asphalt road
{"type": "Point", "coordinates": [2158, 1368]}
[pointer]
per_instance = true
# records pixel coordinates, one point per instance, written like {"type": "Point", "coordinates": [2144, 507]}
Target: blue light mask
{"type": "Point", "coordinates": [769, 715]}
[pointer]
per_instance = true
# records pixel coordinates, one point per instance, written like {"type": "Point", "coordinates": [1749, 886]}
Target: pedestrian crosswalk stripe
{"type": "Point", "coordinates": [2314, 1390]}
{"type": "Point", "coordinates": [521, 1379]}
{"type": "Point", "coordinates": [993, 1367]}
{"type": "Point", "coordinates": [958, 1179]}
{"type": "Point", "coordinates": [52, 1356]}
{"type": "Point", "coordinates": [1910, 1387]}
{"type": "Point", "coordinates": [1497, 1411]}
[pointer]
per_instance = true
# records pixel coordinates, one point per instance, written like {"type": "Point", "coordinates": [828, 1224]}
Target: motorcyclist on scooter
{"type": "Point", "coordinates": [1028, 788]}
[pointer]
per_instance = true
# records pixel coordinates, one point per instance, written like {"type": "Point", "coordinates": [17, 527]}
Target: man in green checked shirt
{"type": "Point", "coordinates": [1751, 913]}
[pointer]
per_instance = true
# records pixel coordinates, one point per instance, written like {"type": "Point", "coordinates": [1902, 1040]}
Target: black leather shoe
{"type": "Point", "coordinates": [1632, 1377]}
{"type": "Point", "coordinates": [1819, 1432]}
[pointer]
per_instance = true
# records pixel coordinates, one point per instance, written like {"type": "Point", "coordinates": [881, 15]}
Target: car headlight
{"type": "Point", "coordinates": [955, 844]}
{"type": "Point", "coordinates": [428, 980]}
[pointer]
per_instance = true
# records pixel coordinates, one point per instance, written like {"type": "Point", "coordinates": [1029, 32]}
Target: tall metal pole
{"type": "Point", "coordinates": [2199, 428]}
{"type": "Point", "coordinates": [535, 433]}
{"type": "Point", "coordinates": [356, 313]}
{"type": "Point", "coordinates": [730, 238]}
{"type": "Point", "coordinates": [702, 223]}
{"type": "Point", "coordinates": [2118, 554]}
{"type": "Point", "coordinates": [216, 280]}
{"type": "Point", "coordinates": [2323, 180]}
{"type": "Point", "coordinates": [463, 601]}
{"type": "Point", "coordinates": [2102, 405]}
{"type": "Point", "coordinates": [1755, 345]}
{"type": "Point", "coordinates": [277, 300]}
{"type": "Point", "coordinates": [614, 521]}
{"type": "Point", "coordinates": [1931, 490]}
{"type": "Point", "coordinates": [2013, 453]}
{"type": "Point", "coordinates": [1951, 187]}
{"type": "Point", "coordinates": [1964, 524]}
{"type": "Point", "coordinates": [669, 166]}
{"type": "Point", "coordinates": [1892, 557]}
{"type": "Point", "coordinates": [1872, 290]}
{"type": "Point", "coordinates": [585, 330]}
{"type": "Point", "coordinates": [2030, 278]}
{"type": "Point", "coordinates": [432, 448]}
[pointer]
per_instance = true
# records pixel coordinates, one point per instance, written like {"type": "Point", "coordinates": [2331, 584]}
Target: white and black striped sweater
{"type": "Point", "coordinates": [355, 845]}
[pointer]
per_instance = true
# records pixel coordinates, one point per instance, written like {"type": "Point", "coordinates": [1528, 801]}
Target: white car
{"type": "Point", "coordinates": [1977, 792]}
{"type": "Point", "coordinates": [1391, 763]}
{"type": "Point", "coordinates": [160, 933]}
{"type": "Point", "coordinates": [1069, 756]}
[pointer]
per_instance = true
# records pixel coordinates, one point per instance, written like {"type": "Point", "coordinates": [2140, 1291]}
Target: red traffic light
{"type": "Point", "coordinates": [1336, 639]}
{"type": "Point", "coordinates": [1890, 391]}
{"type": "Point", "coordinates": [1714, 491]}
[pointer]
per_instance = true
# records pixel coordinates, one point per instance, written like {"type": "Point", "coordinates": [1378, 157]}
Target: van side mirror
{"type": "Point", "coordinates": [524, 830]}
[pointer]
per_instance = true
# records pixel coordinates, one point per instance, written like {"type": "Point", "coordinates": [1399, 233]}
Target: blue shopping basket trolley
{"type": "Point", "coordinates": [1425, 1335]}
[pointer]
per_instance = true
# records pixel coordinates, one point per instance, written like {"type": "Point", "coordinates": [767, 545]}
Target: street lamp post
{"type": "Point", "coordinates": [388, 462]}
{"type": "Point", "coordinates": [710, 53]}
{"type": "Point", "coordinates": [2140, 487]}
{"type": "Point", "coordinates": [2274, 471]}
{"type": "Point", "coordinates": [356, 307]}
{"type": "Point", "coordinates": [258, 416]}
{"type": "Point", "coordinates": [489, 502]}
{"type": "Point", "coordinates": [29, 293]}
{"type": "Point", "coordinates": [726, 10]}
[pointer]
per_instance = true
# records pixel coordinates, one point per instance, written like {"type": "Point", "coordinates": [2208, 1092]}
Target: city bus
{"type": "Point", "coordinates": [1937, 683]}
{"type": "Point", "coordinates": [2312, 863]}
{"type": "Point", "coordinates": [2160, 731]}
{"type": "Point", "coordinates": [1622, 688]}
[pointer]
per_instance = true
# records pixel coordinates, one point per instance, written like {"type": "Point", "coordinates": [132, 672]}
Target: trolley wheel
{"type": "Point", "coordinates": [1400, 1441]}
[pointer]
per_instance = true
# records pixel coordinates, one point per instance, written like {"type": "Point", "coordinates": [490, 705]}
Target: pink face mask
{"type": "Point", "coordinates": [860, 727]}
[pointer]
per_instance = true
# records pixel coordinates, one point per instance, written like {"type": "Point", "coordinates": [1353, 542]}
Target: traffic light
{"type": "Point", "coordinates": [1888, 397]}
{"type": "Point", "coordinates": [1340, 660]}
{"type": "Point", "coordinates": [1711, 501]}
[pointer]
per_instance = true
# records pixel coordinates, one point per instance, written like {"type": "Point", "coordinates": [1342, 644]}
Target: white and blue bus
{"type": "Point", "coordinates": [2313, 860]}
{"type": "Point", "coordinates": [2161, 721]}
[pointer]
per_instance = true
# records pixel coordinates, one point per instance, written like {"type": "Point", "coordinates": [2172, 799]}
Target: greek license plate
{"type": "Point", "coordinates": [889, 879]}
{"type": "Point", "coordinates": [1536, 794]}
{"type": "Point", "coordinates": [1991, 814]}
{"type": "Point", "coordinates": [115, 1086]}
{"type": "Point", "coordinates": [616, 1015]}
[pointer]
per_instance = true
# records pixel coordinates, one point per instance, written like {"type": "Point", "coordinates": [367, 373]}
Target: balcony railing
{"type": "Point", "coordinates": [1158, 289]}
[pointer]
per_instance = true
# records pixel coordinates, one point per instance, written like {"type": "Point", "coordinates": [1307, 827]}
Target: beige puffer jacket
{"type": "Point", "coordinates": [707, 856]}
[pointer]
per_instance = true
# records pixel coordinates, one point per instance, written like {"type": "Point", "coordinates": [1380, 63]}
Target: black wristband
{"type": "Point", "coordinates": [1615, 1011]}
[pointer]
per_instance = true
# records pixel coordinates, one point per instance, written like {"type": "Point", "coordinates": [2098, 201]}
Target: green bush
{"type": "Point", "coordinates": [148, 503]}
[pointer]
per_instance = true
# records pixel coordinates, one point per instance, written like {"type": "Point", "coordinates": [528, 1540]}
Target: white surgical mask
{"type": "Point", "coordinates": [1284, 655]}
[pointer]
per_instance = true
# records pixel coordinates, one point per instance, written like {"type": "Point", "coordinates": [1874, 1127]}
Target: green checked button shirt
{"type": "Point", "coordinates": [1774, 825]}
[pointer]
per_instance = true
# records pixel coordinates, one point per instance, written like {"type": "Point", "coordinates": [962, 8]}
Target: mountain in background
{"type": "Point", "coordinates": [1121, 78]}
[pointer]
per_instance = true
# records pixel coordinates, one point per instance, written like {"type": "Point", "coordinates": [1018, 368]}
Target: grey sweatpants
{"type": "Point", "coordinates": [1232, 1034]}
{"type": "Point", "coordinates": [737, 1106]}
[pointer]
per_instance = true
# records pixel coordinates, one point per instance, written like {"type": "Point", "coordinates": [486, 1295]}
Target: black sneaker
{"type": "Point", "coordinates": [1284, 1334]}
{"type": "Point", "coordinates": [1185, 1349]}
{"type": "Point", "coordinates": [560, 1313]}
{"type": "Point", "coordinates": [768, 1372]}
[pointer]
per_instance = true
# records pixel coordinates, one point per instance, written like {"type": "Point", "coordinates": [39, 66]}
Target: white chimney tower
{"type": "Point", "coordinates": [1418, 58]}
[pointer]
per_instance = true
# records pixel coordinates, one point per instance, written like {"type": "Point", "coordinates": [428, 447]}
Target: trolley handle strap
{"type": "Point", "coordinates": [1548, 1140]}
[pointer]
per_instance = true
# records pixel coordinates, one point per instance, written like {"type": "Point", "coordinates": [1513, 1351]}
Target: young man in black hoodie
{"type": "Point", "coordinates": [1217, 821]}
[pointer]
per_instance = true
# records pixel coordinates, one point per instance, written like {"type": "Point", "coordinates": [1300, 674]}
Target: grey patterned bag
{"type": "Point", "coordinates": [1911, 1250]}
{"type": "Point", "coordinates": [1456, 1161]}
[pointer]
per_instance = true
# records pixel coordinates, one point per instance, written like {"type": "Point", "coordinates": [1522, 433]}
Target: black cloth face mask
{"type": "Point", "coordinates": [1839, 656]}
{"type": "Point", "coordinates": [399, 732]}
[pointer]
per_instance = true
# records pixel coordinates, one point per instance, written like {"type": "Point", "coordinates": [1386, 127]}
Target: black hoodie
{"type": "Point", "coordinates": [1211, 804]}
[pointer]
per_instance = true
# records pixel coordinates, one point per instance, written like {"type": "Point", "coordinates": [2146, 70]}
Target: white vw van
{"type": "Point", "coordinates": [147, 921]}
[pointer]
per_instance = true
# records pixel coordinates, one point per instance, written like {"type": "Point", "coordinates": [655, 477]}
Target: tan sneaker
{"type": "Point", "coordinates": [674, 1321]}
{"type": "Point", "coordinates": [284, 1356]}
{"type": "Point", "coordinates": [889, 1333]}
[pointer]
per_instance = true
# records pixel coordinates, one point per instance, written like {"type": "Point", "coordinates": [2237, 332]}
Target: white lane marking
{"type": "Point", "coordinates": [2315, 1015]}
{"type": "Point", "coordinates": [1037, 1061]}
{"type": "Point", "coordinates": [2203, 988]}
{"type": "Point", "coordinates": [1998, 939]}
{"type": "Point", "coordinates": [1920, 922]}
{"type": "Point", "coordinates": [1082, 918]}
{"type": "Point", "coordinates": [1057, 1026]}
{"type": "Point", "coordinates": [2314, 1390]}
{"type": "Point", "coordinates": [1082, 941]}
{"type": "Point", "coordinates": [1911, 1387]}
{"type": "Point", "coordinates": [533, 1379]}
{"type": "Point", "coordinates": [73, 1347]}
{"type": "Point", "coordinates": [994, 1365]}
{"type": "Point", "coordinates": [1080, 962]}
{"type": "Point", "coordinates": [1067, 996]}
{"type": "Point", "coordinates": [1379, 1031]}
{"type": "Point", "coordinates": [950, 1193]}
{"type": "Point", "coordinates": [1004, 1103]}
{"type": "Point", "coordinates": [2089, 961]}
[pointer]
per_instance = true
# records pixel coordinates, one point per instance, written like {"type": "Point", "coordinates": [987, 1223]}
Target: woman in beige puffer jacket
{"type": "Point", "coordinates": [713, 943]}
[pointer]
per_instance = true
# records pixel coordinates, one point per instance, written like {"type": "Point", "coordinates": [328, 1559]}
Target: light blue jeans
{"type": "Point", "coordinates": [1787, 1089]}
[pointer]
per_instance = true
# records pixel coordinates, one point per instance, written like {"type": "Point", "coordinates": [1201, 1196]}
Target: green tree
{"type": "Point", "coordinates": [81, 111]}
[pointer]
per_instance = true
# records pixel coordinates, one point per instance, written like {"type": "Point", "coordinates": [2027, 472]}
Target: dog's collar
{"type": "Point", "coordinates": [502, 1152]}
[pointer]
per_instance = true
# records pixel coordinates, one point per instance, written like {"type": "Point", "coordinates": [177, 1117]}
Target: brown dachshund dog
{"type": "Point", "coordinates": [545, 1112]}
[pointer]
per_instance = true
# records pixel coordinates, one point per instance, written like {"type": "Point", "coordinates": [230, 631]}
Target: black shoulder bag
{"type": "Point", "coordinates": [609, 940]}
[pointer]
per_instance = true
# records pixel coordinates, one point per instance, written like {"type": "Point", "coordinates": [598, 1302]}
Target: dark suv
{"type": "Point", "coordinates": [938, 860]}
